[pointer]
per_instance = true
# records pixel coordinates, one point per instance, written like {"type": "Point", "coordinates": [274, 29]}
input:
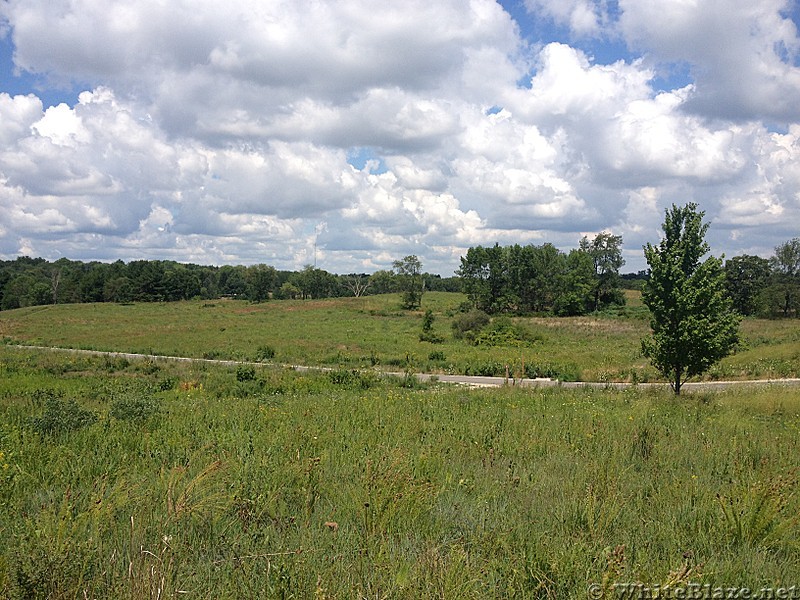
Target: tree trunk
{"type": "Point", "coordinates": [677, 383]}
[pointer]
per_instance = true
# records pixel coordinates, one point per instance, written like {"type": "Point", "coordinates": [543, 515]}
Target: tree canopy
{"type": "Point", "coordinates": [525, 279]}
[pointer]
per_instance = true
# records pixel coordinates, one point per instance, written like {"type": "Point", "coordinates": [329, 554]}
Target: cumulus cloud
{"type": "Point", "coordinates": [212, 132]}
{"type": "Point", "coordinates": [742, 54]}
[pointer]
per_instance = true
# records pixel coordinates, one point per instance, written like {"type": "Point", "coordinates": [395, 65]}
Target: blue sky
{"type": "Point", "coordinates": [254, 131]}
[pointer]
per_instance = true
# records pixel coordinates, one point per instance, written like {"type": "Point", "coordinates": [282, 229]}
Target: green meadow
{"type": "Point", "coordinates": [155, 479]}
{"type": "Point", "coordinates": [373, 331]}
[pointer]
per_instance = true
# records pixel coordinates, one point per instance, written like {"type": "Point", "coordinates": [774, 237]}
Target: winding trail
{"type": "Point", "coordinates": [467, 380]}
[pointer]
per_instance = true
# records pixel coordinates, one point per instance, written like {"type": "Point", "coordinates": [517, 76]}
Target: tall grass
{"type": "Point", "coordinates": [195, 481]}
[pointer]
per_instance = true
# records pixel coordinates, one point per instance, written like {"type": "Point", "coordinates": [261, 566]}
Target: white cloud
{"type": "Point", "coordinates": [221, 132]}
{"type": "Point", "coordinates": [743, 54]}
{"type": "Point", "coordinates": [582, 17]}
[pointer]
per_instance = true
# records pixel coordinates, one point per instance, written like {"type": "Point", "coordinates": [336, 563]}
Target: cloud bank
{"type": "Point", "coordinates": [355, 133]}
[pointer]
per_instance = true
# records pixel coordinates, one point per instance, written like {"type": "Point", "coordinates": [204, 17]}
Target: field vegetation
{"type": "Point", "coordinates": [374, 332]}
{"type": "Point", "coordinates": [155, 479]}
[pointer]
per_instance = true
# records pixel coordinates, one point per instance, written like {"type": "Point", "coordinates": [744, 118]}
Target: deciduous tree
{"type": "Point", "coordinates": [692, 318]}
{"type": "Point", "coordinates": [408, 271]}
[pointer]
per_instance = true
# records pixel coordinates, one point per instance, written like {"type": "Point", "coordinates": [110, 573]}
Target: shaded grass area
{"type": "Point", "coordinates": [264, 483]}
{"type": "Point", "coordinates": [372, 331]}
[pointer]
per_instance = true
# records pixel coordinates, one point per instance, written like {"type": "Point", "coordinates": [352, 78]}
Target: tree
{"type": "Point", "coordinates": [691, 315]}
{"type": "Point", "coordinates": [784, 290]}
{"type": "Point", "coordinates": [746, 276]}
{"type": "Point", "coordinates": [578, 286]}
{"type": "Point", "coordinates": [356, 283]}
{"type": "Point", "coordinates": [408, 272]}
{"type": "Point", "coordinates": [260, 282]}
{"type": "Point", "coordinates": [605, 251]}
{"type": "Point", "coordinates": [314, 282]}
{"type": "Point", "coordinates": [383, 282]}
{"type": "Point", "coordinates": [485, 279]}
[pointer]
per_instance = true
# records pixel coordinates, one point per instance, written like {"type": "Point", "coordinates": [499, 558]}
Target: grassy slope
{"type": "Point", "coordinates": [361, 332]}
{"type": "Point", "coordinates": [224, 487]}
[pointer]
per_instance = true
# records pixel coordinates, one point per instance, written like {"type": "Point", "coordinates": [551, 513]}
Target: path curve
{"type": "Point", "coordinates": [467, 380]}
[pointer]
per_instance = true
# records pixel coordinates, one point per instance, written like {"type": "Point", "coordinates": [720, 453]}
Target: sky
{"type": "Point", "coordinates": [347, 134]}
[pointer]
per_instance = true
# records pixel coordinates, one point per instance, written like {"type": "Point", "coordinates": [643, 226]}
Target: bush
{"type": "Point", "coordinates": [265, 353]}
{"type": "Point", "coordinates": [245, 373]}
{"type": "Point", "coordinates": [431, 338]}
{"type": "Point", "coordinates": [467, 324]}
{"type": "Point", "coordinates": [61, 416]}
{"type": "Point", "coordinates": [568, 372]}
{"type": "Point", "coordinates": [504, 332]}
{"type": "Point", "coordinates": [428, 335]}
{"type": "Point", "coordinates": [352, 379]}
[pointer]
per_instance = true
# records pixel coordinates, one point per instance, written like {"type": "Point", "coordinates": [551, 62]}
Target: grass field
{"type": "Point", "coordinates": [159, 480]}
{"type": "Point", "coordinates": [373, 331]}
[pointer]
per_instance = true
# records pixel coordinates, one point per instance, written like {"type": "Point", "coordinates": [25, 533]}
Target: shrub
{"type": "Point", "coordinates": [352, 379]}
{"type": "Point", "coordinates": [504, 332]}
{"type": "Point", "coordinates": [245, 373]}
{"type": "Point", "coordinates": [568, 372]}
{"type": "Point", "coordinates": [437, 355]}
{"type": "Point", "coordinates": [428, 335]}
{"type": "Point", "coordinates": [62, 416]}
{"type": "Point", "coordinates": [467, 324]}
{"type": "Point", "coordinates": [431, 338]}
{"type": "Point", "coordinates": [485, 369]}
{"type": "Point", "coordinates": [265, 353]}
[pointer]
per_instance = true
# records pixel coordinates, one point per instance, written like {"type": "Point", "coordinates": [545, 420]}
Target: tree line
{"type": "Point", "coordinates": [543, 279]}
{"type": "Point", "coordinates": [496, 279]}
{"type": "Point", "coordinates": [768, 287]}
{"type": "Point", "coordinates": [29, 281]}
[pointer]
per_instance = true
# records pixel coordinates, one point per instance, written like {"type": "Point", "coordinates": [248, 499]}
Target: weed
{"type": "Point", "coordinates": [437, 355]}
{"type": "Point", "coordinates": [643, 443]}
{"type": "Point", "coordinates": [61, 416]}
{"type": "Point", "coordinates": [265, 353]}
{"type": "Point", "coordinates": [758, 516]}
{"type": "Point", "coordinates": [245, 373]}
{"type": "Point", "coordinates": [135, 409]}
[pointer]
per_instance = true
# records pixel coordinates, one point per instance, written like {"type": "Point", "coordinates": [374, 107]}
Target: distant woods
{"type": "Point", "coordinates": [496, 279]}
{"type": "Point", "coordinates": [36, 281]}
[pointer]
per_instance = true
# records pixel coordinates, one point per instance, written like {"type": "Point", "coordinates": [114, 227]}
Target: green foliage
{"type": "Point", "coordinates": [503, 331]}
{"type": "Point", "coordinates": [745, 278]}
{"type": "Point", "coordinates": [265, 353]}
{"type": "Point", "coordinates": [536, 279]}
{"type": "Point", "coordinates": [467, 325]}
{"type": "Point", "coordinates": [428, 334]}
{"type": "Point", "coordinates": [61, 416]}
{"type": "Point", "coordinates": [437, 355]}
{"type": "Point", "coordinates": [605, 251]}
{"type": "Point", "coordinates": [693, 322]}
{"type": "Point", "coordinates": [782, 296]}
{"type": "Point", "coordinates": [409, 280]}
{"type": "Point", "coordinates": [245, 373]}
{"type": "Point", "coordinates": [352, 379]}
